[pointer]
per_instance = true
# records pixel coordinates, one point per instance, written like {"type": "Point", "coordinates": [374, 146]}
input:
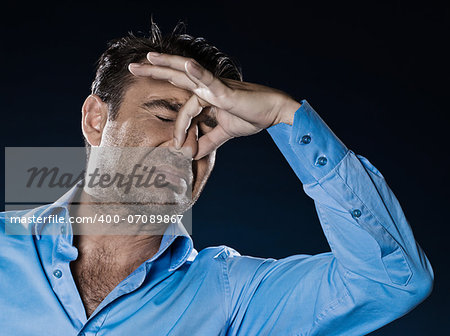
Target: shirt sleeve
{"type": "Point", "coordinates": [376, 271]}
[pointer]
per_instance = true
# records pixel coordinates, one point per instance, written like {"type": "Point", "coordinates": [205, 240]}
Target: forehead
{"type": "Point", "coordinates": [145, 87]}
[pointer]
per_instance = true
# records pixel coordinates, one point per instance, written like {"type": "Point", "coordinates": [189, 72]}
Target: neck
{"type": "Point", "coordinates": [104, 261]}
{"type": "Point", "coordinates": [124, 245]}
{"type": "Point", "coordinates": [125, 252]}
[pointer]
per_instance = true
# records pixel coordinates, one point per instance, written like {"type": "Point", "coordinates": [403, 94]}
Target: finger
{"type": "Point", "coordinates": [174, 77]}
{"type": "Point", "coordinates": [198, 74]}
{"type": "Point", "coordinates": [188, 111]}
{"type": "Point", "coordinates": [211, 141]}
{"type": "Point", "coordinates": [209, 86]}
{"type": "Point", "coordinates": [175, 62]}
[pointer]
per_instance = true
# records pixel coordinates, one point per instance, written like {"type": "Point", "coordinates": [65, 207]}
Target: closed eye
{"type": "Point", "coordinates": [164, 119]}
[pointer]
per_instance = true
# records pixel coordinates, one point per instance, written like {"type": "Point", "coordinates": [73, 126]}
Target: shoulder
{"type": "Point", "coordinates": [231, 261]}
{"type": "Point", "coordinates": [211, 258]}
{"type": "Point", "coordinates": [217, 253]}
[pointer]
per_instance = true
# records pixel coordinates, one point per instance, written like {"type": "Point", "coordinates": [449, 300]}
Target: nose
{"type": "Point", "coordinates": [190, 145]}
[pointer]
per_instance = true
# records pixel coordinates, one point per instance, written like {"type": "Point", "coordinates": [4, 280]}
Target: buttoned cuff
{"type": "Point", "coordinates": [309, 145]}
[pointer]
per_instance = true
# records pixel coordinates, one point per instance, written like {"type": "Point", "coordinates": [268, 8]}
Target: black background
{"type": "Point", "coordinates": [376, 73]}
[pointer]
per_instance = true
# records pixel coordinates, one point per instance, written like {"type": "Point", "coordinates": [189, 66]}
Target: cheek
{"type": "Point", "coordinates": [135, 133]}
{"type": "Point", "coordinates": [204, 167]}
{"type": "Point", "coordinates": [121, 134]}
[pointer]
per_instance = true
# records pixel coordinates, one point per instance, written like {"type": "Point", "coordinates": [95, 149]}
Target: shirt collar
{"type": "Point", "coordinates": [60, 206]}
{"type": "Point", "coordinates": [175, 234]}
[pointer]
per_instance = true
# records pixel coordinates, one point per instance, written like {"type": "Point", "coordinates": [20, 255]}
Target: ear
{"type": "Point", "coordinates": [94, 117]}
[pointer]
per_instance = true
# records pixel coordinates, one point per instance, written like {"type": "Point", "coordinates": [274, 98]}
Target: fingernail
{"type": "Point", "coordinates": [135, 65]}
{"type": "Point", "coordinates": [177, 143]}
{"type": "Point", "coordinates": [194, 69]}
{"type": "Point", "coordinates": [153, 53]}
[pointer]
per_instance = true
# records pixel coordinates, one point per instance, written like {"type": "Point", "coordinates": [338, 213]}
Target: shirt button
{"type": "Point", "coordinates": [322, 161]}
{"type": "Point", "coordinates": [306, 139]}
{"type": "Point", "coordinates": [63, 229]}
{"type": "Point", "coordinates": [57, 273]}
{"type": "Point", "coordinates": [356, 213]}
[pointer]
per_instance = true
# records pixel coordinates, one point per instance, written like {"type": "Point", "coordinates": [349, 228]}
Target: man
{"type": "Point", "coordinates": [182, 95]}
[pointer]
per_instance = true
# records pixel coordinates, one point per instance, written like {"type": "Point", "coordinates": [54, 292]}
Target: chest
{"type": "Point", "coordinates": [186, 302]}
{"type": "Point", "coordinates": [95, 277]}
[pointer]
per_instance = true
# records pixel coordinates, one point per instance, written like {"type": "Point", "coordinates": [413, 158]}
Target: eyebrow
{"type": "Point", "coordinates": [175, 106]}
{"type": "Point", "coordinates": [163, 103]}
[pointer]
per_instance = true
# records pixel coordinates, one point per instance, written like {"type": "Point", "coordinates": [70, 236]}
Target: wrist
{"type": "Point", "coordinates": [288, 111]}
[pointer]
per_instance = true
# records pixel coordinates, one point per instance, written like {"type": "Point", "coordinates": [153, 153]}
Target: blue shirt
{"type": "Point", "coordinates": [375, 272]}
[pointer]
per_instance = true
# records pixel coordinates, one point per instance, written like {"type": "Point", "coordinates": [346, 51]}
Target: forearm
{"type": "Point", "coordinates": [361, 217]}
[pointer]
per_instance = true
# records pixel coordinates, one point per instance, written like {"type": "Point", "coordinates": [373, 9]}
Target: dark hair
{"type": "Point", "coordinates": [113, 78]}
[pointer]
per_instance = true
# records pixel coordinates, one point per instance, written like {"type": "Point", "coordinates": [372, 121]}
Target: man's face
{"type": "Point", "coordinates": [146, 118]}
